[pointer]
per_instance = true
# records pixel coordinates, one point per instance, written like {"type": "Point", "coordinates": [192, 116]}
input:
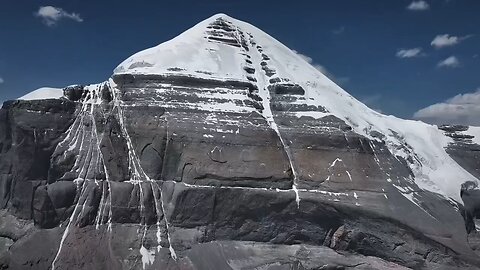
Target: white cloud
{"type": "Point", "coordinates": [445, 40]}
{"type": "Point", "coordinates": [418, 6]}
{"type": "Point", "coordinates": [323, 70]}
{"type": "Point", "coordinates": [308, 59]}
{"type": "Point", "coordinates": [339, 30]}
{"type": "Point", "coordinates": [51, 15]}
{"type": "Point", "coordinates": [462, 109]}
{"type": "Point", "coordinates": [409, 53]}
{"type": "Point", "coordinates": [1, 80]}
{"type": "Point", "coordinates": [450, 62]}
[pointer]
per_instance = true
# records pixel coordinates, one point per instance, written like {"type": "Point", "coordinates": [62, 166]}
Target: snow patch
{"type": "Point", "coordinates": [43, 93]}
{"type": "Point", "coordinates": [474, 131]}
{"type": "Point", "coordinates": [148, 256]}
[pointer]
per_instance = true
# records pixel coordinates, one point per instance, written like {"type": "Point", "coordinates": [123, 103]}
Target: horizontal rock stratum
{"type": "Point", "coordinates": [224, 149]}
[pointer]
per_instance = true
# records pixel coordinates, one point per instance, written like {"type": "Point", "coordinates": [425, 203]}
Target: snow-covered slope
{"type": "Point", "coordinates": [43, 93]}
{"type": "Point", "coordinates": [197, 53]}
{"type": "Point", "coordinates": [475, 132]}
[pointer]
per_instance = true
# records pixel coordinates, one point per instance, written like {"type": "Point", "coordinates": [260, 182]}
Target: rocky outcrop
{"type": "Point", "coordinates": [463, 149]}
{"type": "Point", "coordinates": [196, 171]}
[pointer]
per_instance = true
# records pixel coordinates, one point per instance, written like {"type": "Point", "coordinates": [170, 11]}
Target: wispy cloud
{"type": "Point", "coordinates": [462, 109]}
{"type": "Point", "coordinates": [418, 6]}
{"type": "Point", "coordinates": [409, 53]}
{"type": "Point", "coordinates": [373, 101]}
{"type": "Point", "coordinates": [1, 80]}
{"type": "Point", "coordinates": [339, 30]}
{"type": "Point", "coordinates": [450, 62]}
{"type": "Point", "coordinates": [445, 40]}
{"type": "Point", "coordinates": [323, 70]}
{"type": "Point", "coordinates": [52, 15]}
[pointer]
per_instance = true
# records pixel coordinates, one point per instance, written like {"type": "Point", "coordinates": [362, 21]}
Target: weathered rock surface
{"type": "Point", "coordinates": [187, 169]}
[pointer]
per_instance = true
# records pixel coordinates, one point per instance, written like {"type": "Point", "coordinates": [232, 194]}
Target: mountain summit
{"type": "Point", "coordinates": [222, 48]}
{"type": "Point", "coordinates": [223, 149]}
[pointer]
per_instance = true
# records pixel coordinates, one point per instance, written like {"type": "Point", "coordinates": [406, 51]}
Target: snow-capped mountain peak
{"type": "Point", "coordinates": [224, 48]}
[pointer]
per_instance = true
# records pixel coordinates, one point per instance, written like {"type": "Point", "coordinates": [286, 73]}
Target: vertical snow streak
{"type": "Point", "coordinates": [157, 209]}
{"type": "Point", "coordinates": [139, 176]}
{"type": "Point", "coordinates": [71, 220]}
{"type": "Point", "coordinates": [107, 179]}
{"type": "Point", "coordinates": [77, 123]}
{"type": "Point", "coordinates": [267, 113]}
{"type": "Point", "coordinates": [167, 226]}
{"type": "Point", "coordinates": [101, 207]}
{"type": "Point", "coordinates": [84, 119]}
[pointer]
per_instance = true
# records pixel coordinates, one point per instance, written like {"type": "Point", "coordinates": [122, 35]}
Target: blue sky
{"type": "Point", "coordinates": [388, 54]}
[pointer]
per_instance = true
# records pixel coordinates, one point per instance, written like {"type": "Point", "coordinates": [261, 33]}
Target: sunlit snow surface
{"type": "Point", "coordinates": [43, 93]}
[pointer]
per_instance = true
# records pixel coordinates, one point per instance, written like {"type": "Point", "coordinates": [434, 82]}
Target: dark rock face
{"type": "Point", "coordinates": [467, 154]}
{"type": "Point", "coordinates": [29, 134]}
{"type": "Point", "coordinates": [471, 197]}
{"type": "Point", "coordinates": [463, 150]}
{"type": "Point", "coordinates": [166, 186]}
{"type": "Point", "coordinates": [155, 172]}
